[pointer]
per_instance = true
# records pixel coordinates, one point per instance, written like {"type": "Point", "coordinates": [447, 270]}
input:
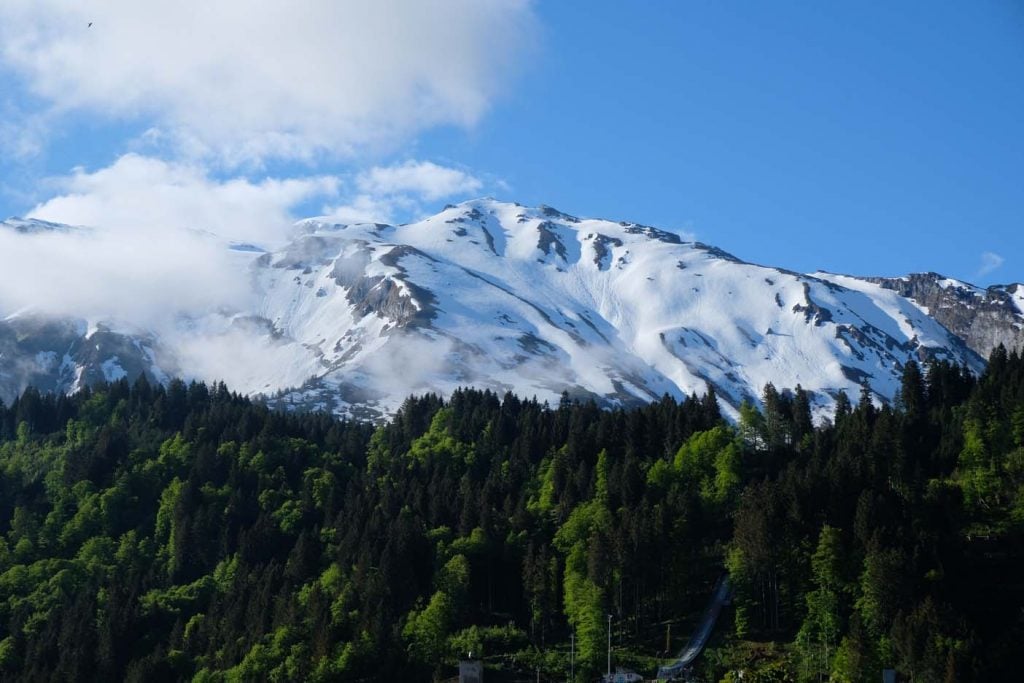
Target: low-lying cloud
{"type": "Point", "coordinates": [154, 236]}
{"type": "Point", "coordinates": [140, 194]}
{"type": "Point", "coordinates": [152, 243]}
{"type": "Point", "coordinates": [144, 276]}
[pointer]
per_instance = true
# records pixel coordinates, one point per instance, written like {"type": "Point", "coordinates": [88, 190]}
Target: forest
{"type": "Point", "coordinates": [184, 532]}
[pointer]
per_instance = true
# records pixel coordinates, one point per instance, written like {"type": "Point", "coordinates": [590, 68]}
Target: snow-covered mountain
{"type": "Point", "coordinates": [353, 318]}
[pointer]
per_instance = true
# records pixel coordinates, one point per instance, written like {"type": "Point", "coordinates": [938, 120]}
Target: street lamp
{"type": "Point", "coordinates": [609, 647]}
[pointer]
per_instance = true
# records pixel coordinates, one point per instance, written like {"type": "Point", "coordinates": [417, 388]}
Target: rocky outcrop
{"type": "Point", "coordinates": [983, 318]}
{"type": "Point", "coordinates": [63, 355]}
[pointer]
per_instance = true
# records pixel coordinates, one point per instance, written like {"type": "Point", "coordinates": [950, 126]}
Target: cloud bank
{"type": "Point", "coordinates": [145, 195]}
{"type": "Point", "coordinates": [155, 234]}
{"type": "Point", "coordinates": [147, 277]}
{"type": "Point", "coordinates": [242, 81]}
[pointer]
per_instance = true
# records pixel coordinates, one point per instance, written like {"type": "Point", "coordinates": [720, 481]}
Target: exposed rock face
{"type": "Point", "coordinates": [64, 355]}
{"type": "Point", "coordinates": [984, 318]}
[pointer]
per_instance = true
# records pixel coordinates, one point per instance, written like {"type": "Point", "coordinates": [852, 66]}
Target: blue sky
{"type": "Point", "coordinates": [867, 138]}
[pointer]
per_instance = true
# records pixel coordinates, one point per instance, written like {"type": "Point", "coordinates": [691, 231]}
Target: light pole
{"type": "Point", "coordinates": [609, 648]}
{"type": "Point", "coordinates": [572, 657]}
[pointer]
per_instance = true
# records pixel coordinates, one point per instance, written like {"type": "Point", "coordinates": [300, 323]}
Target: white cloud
{"type": "Point", "coordinates": [149, 195]}
{"type": "Point", "coordinates": [384, 192]}
{"type": "Point", "coordinates": [364, 208]}
{"type": "Point", "coordinates": [147, 277]}
{"type": "Point", "coordinates": [155, 244]}
{"type": "Point", "coordinates": [245, 80]}
{"type": "Point", "coordinates": [155, 247]}
{"type": "Point", "coordinates": [423, 178]}
{"type": "Point", "coordinates": [990, 262]}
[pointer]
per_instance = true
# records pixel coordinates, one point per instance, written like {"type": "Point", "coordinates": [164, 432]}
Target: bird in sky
{"type": "Point", "coordinates": [90, 25]}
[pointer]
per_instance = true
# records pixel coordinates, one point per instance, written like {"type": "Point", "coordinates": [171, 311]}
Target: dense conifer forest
{"type": "Point", "coordinates": [153, 533]}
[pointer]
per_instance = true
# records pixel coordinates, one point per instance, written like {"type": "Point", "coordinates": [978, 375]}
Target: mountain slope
{"type": "Point", "coordinates": [353, 318]}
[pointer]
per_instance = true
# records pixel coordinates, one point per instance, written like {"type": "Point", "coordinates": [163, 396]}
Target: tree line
{"type": "Point", "coordinates": [184, 532]}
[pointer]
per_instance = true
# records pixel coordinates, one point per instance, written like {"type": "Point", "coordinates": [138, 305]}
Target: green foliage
{"type": "Point", "coordinates": [439, 443]}
{"type": "Point", "coordinates": [547, 473]}
{"type": "Point", "coordinates": [585, 521]}
{"type": "Point", "coordinates": [584, 609]}
{"type": "Point", "coordinates": [183, 532]}
{"type": "Point", "coordinates": [479, 641]}
{"type": "Point", "coordinates": [427, 630]}
{"type": "Point", "coordinates": [712, 460]}
{"type": "Point", "coordinates": [453, 579]}
{"type": "Point", "coordinates": [854, 662]}
{"type": "Point", "coordinates": [178, 599]}
{"type": "Point", "coordinates": [752, 427]}
{"type": "Point", "coordinates": [881, 586]}
{"type": "Point", "coordinates": [820, 633]}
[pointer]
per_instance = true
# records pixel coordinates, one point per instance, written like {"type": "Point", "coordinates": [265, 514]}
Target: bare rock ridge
{"type": "Point", "coordinates": [983, 318]}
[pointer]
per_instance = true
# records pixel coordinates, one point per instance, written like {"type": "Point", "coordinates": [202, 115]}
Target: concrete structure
{"type": "Point", "coordinates": [471, 671]}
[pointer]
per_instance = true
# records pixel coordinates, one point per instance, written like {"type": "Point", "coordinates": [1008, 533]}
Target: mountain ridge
{"type": "Point", "coordinates": [352, 318]}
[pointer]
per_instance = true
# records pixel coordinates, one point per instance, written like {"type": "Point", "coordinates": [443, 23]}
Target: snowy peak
{"type": "Point", "coordinates": [353, 318]}
{"type": "Point", "coordinates": [539, 301]}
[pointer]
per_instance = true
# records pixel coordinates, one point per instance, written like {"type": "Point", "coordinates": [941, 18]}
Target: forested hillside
{"type": "Point", "coordinates": [186, 533]}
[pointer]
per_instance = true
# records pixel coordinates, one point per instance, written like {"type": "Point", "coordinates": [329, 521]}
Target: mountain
{"type": "Point", "coordinates": [353, 318]}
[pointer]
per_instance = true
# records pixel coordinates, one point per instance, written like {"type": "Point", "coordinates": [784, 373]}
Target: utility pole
{"type": "Point", "coordinates": [572, 657]}
{"type": "Point", "coordinates": [609, 648]}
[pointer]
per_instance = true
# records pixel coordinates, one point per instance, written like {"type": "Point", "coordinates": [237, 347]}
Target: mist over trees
{"type": "Point", "coordinates": [186, 533]}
